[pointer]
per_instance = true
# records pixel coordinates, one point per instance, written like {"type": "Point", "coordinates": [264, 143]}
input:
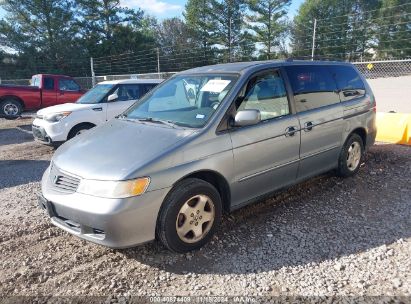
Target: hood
{"type": "Point", "coordinates": [64, 107]}
{"type": "Point", "coordinates": [117, 149]}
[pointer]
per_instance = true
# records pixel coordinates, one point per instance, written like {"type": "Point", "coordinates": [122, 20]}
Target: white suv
{"type": "Point", "coordinates": [56, 124]}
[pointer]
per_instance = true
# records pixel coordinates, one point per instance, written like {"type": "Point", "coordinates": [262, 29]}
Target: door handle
{"type": "Point", "coordinates": [290, 131]}
{"type": "Point", "coordinates": [308, 126]}
{"type": "Point", "coordinates": [98, 109]}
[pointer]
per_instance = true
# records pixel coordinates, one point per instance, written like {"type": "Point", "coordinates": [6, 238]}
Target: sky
{"type": "Point", "coordinates": [169, 8]}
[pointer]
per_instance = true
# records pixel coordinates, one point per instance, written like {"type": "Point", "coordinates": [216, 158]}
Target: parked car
{"type": "Point", "coordinates": [56, 124]}
{"type": "Point", "coordinates": [45, 90]}
{"type": "Point", "coordinates": [168, 169]}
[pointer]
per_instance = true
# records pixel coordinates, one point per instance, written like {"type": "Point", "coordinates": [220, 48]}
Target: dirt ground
{"type": "Point", "coordinates": [326, 237]}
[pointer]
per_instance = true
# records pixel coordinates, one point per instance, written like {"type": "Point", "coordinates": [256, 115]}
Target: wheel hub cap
{"type": "Point", "coordinates": [195, 218]}
{"type": "Point", "coordinates": [354, 156]}
{"type": "Point", "coordinates": [10, 109]}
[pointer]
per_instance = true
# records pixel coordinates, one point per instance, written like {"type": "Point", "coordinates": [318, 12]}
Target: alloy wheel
{"type": "Point", "coordinates": [195, 218]}
{"type": "Point", "coordinates": [354, 156]}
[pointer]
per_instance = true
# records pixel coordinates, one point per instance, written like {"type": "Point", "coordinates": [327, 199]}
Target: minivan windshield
{"type": "Point", "coordinates": [96, 94]}
{"type": "Point", "coordinates": [184, 100]}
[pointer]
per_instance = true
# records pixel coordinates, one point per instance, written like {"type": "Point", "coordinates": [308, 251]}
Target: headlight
{"type": "Point", "coordinates": [114, 189]}
{"type": "Point", "coordinates": [55, 117]}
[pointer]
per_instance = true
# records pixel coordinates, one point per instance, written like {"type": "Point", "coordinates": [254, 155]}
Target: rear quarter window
{"type": "Point", "coordinates": [313, 86]}
{"type": "Point", "coordinates": [349, 82]}
{"type": "Point", "coordinates": [48, 83]}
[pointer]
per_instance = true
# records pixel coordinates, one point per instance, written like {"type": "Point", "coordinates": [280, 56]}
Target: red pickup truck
{"type": "Point", "coordinates": [44, 91]}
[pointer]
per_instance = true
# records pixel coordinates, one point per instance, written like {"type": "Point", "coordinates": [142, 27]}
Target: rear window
{"type": "Point", "coordinates": [349, 82]}
{"type": "Point", "coordinates": [313, 87]}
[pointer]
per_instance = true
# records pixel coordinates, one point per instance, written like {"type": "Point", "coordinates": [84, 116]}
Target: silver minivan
{"type": "Point", "coordinates": [208, 140]}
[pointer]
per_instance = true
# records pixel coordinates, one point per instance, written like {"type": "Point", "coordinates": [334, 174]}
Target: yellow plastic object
{"type": "Point", "coordinates": [394, 128]}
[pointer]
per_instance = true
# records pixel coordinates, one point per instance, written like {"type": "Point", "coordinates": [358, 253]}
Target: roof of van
{"type": "Point", "coordinates": [237, 67]}
{"type": "Point", "coordinates": [131, 81]}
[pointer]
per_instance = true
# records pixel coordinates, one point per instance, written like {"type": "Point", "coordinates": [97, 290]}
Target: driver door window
{"type": "Point", "coordinates": [128, 92]}
{"type": "Point", "coordinates": [266, 93]}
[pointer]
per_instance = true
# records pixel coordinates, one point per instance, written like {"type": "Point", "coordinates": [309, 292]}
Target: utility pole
{"type": "Point", "coordinates": [315, 28]}
{"type": "Point", "coordinates": [158, 62]}
{"type": "Point", "coordinates": [93, 75]}
{"type": "Point", "coordinates": [229, 41]}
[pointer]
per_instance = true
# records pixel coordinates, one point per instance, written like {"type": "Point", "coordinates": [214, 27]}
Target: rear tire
{"type": "Point", "coordinates": [350, 157]}
{"type": "Point", "coordinates": [77, 130]}
{"type": "Point", "coordinates": [11, 108]}
{"type": "Point", "coordinates": [190, 215]}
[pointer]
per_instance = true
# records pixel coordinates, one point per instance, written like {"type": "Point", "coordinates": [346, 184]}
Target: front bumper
{"type": "Point", "coordinates": [47, 132]}
{"type": "Point", "coordinates": [115, 223]}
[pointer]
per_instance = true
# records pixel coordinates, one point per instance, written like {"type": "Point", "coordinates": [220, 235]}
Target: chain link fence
{"type": "Point", "coordinates": [87, 82]}
{"type": "Point", "coordinates": [384, 68]}
{"type": "Point", "coordinates": [370, 69]}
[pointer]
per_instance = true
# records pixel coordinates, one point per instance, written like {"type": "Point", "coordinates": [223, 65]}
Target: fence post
{"type": "Point", "coordinates": [93, 75]}
{"type": "Point", "coordinates": [158, 62]}
{"type": "Point", "coordinates": [315, 28]}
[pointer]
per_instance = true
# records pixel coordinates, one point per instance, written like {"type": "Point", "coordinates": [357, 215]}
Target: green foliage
{"type": "Point", "coordinates": [226, 30]}
{"type": "Point", "coordinates": [267, 21]}
{"type": "Point", "coordinates": [394, 41]}
{"type": "Point", "coordinates": [199, 20]}
{"type": "Point", "coordinates": [60, 36]}
{"type": "Point", "coordinates": [107, 28]}
{"type": "Point", "coordinates": [43, 32]}
{"type": "Point", "coordinates": [353, 29]}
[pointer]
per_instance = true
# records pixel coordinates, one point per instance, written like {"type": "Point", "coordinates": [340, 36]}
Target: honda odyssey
{"type": "Point", "coordinates": [206, 141]}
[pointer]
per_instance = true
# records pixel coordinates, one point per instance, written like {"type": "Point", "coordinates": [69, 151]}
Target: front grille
{"type": "Point", "coordinates": [62, 181]}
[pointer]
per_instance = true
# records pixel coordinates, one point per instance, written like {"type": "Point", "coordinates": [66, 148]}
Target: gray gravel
{"type": "Point", "coordinates": [325, 237]}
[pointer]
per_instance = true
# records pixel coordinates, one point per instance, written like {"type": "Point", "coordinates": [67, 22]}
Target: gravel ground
{"type": "Point", "coordinates": [325, 237]}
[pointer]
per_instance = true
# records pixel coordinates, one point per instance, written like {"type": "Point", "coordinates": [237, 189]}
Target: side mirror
{"type": "Point", "coordinates": [112, 97]}
{"type": "Point", "coordinates": [247, 118]}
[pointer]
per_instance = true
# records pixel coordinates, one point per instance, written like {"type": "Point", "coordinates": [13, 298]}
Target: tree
{"type": "Point", "coordinates": [104, 23]}
{"type": "Point", "coordinates": [44, 31]}
{"type": "Point", "coordinates": [199, 20]}
{"type": "Point", "coordinates": [344, 28]}
{"type": "Point", "coordinates": [267, 21]}
{"type": "Point", "coordinates": [177, 45]}
{"type": "Point", "coordinates": [227, 26]}
{"type": "Point", "coordinates": [394, 37]}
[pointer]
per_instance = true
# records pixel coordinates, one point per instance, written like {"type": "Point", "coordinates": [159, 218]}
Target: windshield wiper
{"type": "Point", "coordinates": [153, 120]}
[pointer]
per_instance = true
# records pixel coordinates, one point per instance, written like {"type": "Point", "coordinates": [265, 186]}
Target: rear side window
{"type": "Point", "coordinates": [349, 82]}
{"type": "Point", "coordinates": [48, 83]}
{"type": "Point", "coordinates": [313, 87]}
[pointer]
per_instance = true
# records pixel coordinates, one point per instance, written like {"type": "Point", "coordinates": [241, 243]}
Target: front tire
{"type": "Point", "coordinates": [190, 215]}
{"type": "Point", "coordinates": [350, 157]}
{"type": "Point", "coordinates": [11, 108]}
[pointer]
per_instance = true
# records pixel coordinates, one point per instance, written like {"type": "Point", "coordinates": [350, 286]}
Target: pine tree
{"type": "Point", "coordinates": [267, 21]}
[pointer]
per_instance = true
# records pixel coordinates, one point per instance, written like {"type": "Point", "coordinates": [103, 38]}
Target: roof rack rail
{"type": "Point", "coordinates": [316, 58]}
